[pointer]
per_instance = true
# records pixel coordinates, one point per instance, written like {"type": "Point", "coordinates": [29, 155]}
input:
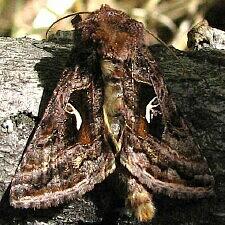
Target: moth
{"type": "Point", "coordinates": [111, 113]}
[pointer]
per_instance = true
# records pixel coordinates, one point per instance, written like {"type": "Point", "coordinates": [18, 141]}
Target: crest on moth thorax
{"type": "Point", "coordinates": [111, 111]}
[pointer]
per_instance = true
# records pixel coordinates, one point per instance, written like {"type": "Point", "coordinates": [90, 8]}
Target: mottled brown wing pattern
{"type": "Point", "coordinates": [62, 163]}
{"type": "Point", "coordinates": [151, 163]}
{"type": "Point", "coordinates": [167, 161]}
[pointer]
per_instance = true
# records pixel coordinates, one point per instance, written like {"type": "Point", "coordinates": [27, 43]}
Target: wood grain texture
{"type": "Point", "coordinates": [30, 67]}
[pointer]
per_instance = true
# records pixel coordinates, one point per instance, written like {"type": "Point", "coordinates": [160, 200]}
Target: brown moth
{"type": "Point", "coordinates": [111, 112]}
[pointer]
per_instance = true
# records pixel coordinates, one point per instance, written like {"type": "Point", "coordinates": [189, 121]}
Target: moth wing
{"type": "Point", "coordinates": [63, 161]}
{"type": "Point", "coordinates": [176, 176]}
{"type": "Point", "coordinates": [159, 149]}
{"type": "Point", "coordinates": [168, 125]}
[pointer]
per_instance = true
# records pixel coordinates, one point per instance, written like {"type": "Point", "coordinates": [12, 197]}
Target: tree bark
{"type": "Point", "coordinates": [29, 71]}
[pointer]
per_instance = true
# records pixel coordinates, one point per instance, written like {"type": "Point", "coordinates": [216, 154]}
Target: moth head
{"type": "Point", "coordinates": [113, 33]}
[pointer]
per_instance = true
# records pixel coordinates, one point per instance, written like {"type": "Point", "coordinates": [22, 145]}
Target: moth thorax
{"type": "Point", "coordinates": [113, 109]}
{"type": "Point", "coordinates": [113, 98]}
{"type": "Point", "coordinates": [115, 126]}
{"type": "Point", "coordinates": [107, 68]}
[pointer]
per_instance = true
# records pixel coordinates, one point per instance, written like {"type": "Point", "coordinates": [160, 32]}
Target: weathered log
{"type": "Point", "coordinates": [29, 71]}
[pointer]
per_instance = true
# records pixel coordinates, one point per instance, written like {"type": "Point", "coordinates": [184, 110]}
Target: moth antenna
{"type": "Point", "coordinates": [162, 42]}
{"type": "Point", "coordinates": [62, 18]}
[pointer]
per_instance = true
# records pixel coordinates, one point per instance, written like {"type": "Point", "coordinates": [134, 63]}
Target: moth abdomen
{"type": "Point", "coordinates": [139, 201]}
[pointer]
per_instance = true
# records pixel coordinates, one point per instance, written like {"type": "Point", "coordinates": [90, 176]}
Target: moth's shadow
{"type": "Point", "coordinates": [11, 215]}
{"type": "Point", "coordinates": [98, 207]}
{"type": "Point", "coordinates": [101, 207]}
{"type": "Point", "coordinates": [49, 70]}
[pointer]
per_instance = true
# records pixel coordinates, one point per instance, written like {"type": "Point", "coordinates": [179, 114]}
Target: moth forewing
{"type": "Point", "coordinates": [55, 170]}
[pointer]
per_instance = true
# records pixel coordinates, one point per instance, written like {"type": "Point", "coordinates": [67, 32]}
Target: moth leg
{"type": "Point", "coordinates": [139, 201]}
